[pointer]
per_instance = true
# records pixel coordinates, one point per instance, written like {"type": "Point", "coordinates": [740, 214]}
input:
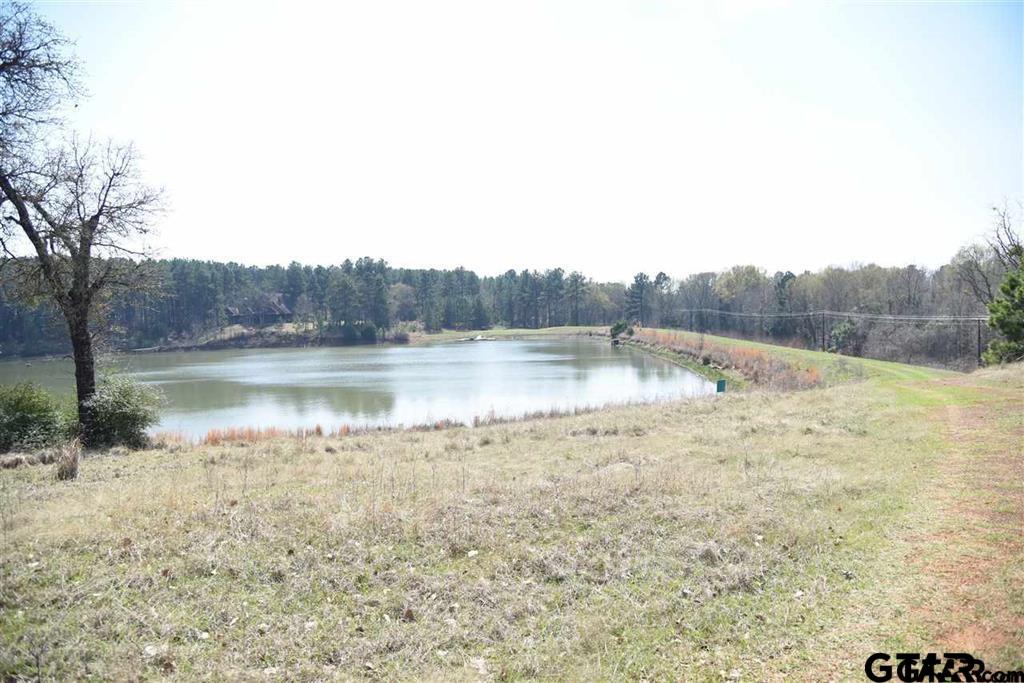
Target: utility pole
{"type": "Point", "coordinates": [979, 343]}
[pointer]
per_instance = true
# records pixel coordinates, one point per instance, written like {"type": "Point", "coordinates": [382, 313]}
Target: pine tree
{"type": "Point", "coordinates": [636, 298]}
{"type": "Point", "coordinates": [1006, 314]}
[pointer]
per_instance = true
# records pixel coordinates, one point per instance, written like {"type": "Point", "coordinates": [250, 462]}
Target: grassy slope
{"type": "Point", "coordinates": [753, 535]}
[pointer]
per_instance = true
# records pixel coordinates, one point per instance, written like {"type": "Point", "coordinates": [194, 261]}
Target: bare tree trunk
{"type": "Point", "coordinates": [85, 373]}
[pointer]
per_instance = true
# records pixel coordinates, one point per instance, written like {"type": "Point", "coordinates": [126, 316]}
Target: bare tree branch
{"type": "Point", "coordinates": [1005, 241]}
{"type": "Point", "coordinates": [37, 73]}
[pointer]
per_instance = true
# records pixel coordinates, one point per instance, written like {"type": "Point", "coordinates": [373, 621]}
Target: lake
{"type": "Point", "coordinates": [378, 385]}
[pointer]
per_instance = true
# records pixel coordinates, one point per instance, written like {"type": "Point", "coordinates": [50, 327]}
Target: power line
{"type": "Point", "coordinates": [878, 317]}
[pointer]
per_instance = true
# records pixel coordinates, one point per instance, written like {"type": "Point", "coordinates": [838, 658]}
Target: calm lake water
{"type": "Point", "coordinates": [400, 385]}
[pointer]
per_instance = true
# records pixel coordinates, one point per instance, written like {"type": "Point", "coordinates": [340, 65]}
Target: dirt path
{"type": "Point", "coordinates": [974, 561]}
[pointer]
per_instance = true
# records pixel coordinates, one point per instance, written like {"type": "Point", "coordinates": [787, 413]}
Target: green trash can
{"type": "Point", "coordinates": [721, 386]}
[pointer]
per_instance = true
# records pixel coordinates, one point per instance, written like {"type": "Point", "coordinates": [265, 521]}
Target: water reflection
{"type": "Point", "coordinates": [294, 388]}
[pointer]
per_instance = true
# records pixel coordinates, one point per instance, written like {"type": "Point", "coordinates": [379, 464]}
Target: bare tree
{"type": "Point", "coordinates": [85, 215]}
{"type": "Point", "coordinates": [1005, 241]}
{"type": "Point", "coordinates": [73, 219]}
{"type": "Point", "coordinates": [908, 286]}
{"type": "Point", "coordinates": [979, 271]}
{"type": "Point", "coordinates": [982, 267]}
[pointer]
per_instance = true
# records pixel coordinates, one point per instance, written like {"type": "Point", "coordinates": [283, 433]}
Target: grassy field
{"type": "Point", "coordinates": [757, 535]}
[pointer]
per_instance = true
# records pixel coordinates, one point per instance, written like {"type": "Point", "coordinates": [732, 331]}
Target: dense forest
{"type": "Point", "coordinates": [364, 299]}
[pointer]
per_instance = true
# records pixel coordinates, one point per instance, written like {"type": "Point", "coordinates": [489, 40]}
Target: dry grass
{"type": "Point", "coordinates": [742, 535]}
{"type": "Point", "coordinates": [68, 460]}
{"type": "Point", "coordinates": [764, 369]}
{"type": "Point", "coordinates": [249, 435]}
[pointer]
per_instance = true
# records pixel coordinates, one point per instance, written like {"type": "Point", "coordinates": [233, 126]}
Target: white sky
{"type": "Point", "coordinates": [609, 137]}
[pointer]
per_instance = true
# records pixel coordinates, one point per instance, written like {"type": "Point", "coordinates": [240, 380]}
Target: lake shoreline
{"type": "Point", "coordinates": [709, 372]}
{"type": "Point", "coordinates": [451, 378]}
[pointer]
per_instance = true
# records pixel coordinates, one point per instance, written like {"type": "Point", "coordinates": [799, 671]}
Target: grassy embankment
{"type": "Point", "coordinates": [756, 535]}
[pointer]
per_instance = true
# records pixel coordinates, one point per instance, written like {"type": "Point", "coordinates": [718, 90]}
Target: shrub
{"type": "Point", "coordinates": [29, 417]}
{"type": "Point", "coordinates": [349, 333]}
{"type": "Point", "coordinates": [847, 338]}
{"type": "Point", "coordinates": [123, 410]}
{"type": "Point", "coordinates": [400, 337]}
{"type": "Point", "coordinates": [1002, 351]}
{"type": "Point", "coordinates": [368, 333]}
{"type": "Point", "coordinates": [618, 328]}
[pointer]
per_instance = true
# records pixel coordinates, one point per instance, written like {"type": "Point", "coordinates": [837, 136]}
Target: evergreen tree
{"type": "Point", "coordinates": [552, 293]}
{"type": "Point", "coordinates": [294, 284]}
{"type": "Point", "coordinates": [637, 298]}
{"type": "Point", "coordinates": [1006, 314]}
{"type": "Point", "coordinates": [481, 321]}
{"type": "Point", "coordinates": [342, 298]}
{"type": "Point", "coordinates": [575, 291]}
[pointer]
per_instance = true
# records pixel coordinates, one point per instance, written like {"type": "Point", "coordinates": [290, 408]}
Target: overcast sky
{"type": "Point", "coordinates": [609, 137]}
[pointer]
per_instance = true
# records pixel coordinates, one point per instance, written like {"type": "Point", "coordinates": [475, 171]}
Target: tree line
{"type": "Point", "coordinates": [187, 298]}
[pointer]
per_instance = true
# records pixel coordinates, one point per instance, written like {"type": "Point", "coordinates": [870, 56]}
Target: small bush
{"type": "Point", "coordinates": [123, 410]}
{"type": "Point", "coordinates": [847, 338]}
{"type": "Point", "coordinates": [29, 417]}
{"type": "Point", "coordinates": [618, 328]}
{"type": "Point", "coordinates": [368, 333]}
{"type": "Point", "coordinates": [400, 337]}
{"type": "Point", "coordinates": [349, 333]}
{"type": "Point", "coordinates": [1003, 351]}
